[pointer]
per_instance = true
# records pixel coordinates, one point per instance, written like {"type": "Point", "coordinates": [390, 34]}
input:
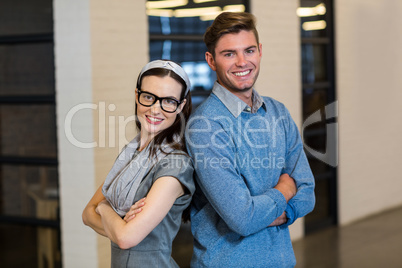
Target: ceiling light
{"type": "Point", "coordinates": [203, 1]}
{"type": "Point", "coordinates": [196, 12]}
{"type": "Point", "coordinates": [166, 4]}
{"type": "Point", "coordinates": [160, 12]}
{"type": "Point", "coordinates": [314, 25]}
{"type": "Point", "coordinates": [311, 11]}
{"type": "Point", "coordinates": [234, 8]}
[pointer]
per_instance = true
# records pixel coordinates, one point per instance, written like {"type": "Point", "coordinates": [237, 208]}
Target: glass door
{"type": "Point", "coordinates": [29, 203]}
{"type": "Point", "coordinates": [318, 85]}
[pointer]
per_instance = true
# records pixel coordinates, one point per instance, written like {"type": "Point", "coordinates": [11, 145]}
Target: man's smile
{"type": "Point", "coordinates": [243, 73]}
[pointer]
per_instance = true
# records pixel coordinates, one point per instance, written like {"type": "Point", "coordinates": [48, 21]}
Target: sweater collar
{"type": "Point", "coordinates": [234, 104]}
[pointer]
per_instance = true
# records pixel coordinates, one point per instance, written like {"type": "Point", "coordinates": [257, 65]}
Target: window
{"type": "Point", "coordinates": [318, 85]}
{"type": "Point", "coordinates": [29, 204]}
{"type": "Point", "coordinates": [176, 30]}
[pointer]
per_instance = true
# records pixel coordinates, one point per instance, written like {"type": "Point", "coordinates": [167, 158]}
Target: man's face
{"type": "Point", "coordinates": [237, 61]}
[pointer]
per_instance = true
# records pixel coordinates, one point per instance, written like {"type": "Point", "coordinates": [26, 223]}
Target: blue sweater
{"type": "Point", "coordinates": [239, 155]}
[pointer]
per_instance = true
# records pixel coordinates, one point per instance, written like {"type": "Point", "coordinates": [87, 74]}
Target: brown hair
{"type": "Point", "coordinates": [229, 22]}
{"type": "Point", "coordinates": [177, 128]}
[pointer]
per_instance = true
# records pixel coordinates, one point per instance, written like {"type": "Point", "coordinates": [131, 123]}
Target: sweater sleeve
{"type": "Point", "coordinates": [213, 152]}
{"type": "Point", "coordinates": [298, 168]}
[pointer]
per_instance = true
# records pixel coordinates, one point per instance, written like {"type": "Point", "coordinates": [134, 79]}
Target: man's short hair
{"type": "Point", "coordinates": [229, 22]}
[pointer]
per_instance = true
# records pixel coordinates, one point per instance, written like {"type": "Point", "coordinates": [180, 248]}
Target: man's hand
{"type": "Point", "coordinates": [135, 209]}
{"type": "Point", "coordinates": [280, 220]}
{"type": "Point", "coordinates": [287, 186]}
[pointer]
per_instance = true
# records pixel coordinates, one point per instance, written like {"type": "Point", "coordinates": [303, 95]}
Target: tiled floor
{"type": "Point", "coordinates": [373, 242]}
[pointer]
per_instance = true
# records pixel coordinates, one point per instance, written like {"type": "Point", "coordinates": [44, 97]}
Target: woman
{"type": "Point", "coordinates": [153, 165]}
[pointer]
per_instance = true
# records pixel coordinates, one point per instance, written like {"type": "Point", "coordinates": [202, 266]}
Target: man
{"type": "Point", "coordinates": [252, 176]}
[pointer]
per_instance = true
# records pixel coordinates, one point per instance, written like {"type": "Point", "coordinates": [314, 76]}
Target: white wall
{"type": "Point", "coordinates": [280, 75]}
{"type": "Point", "coordinates": [100, 47]}
{"type": "Point", "coordinates": [76, 166]}
{"type": "Point", "coordinates": [369, 87]}
{"type": "Point", "coordinates": [369, 90]}
{"type": "Point", "coordinates": [119, 47]}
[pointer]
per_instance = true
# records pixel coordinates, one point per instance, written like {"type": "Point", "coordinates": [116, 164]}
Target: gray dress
{"type": "Point", "coordinates": [155, 250]}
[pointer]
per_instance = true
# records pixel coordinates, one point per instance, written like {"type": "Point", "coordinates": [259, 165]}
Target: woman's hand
{"type": "Point", "coordinates": [148, 213]}
{"type": "Point", "coordinates": [135, 209]}
{"type": "Point", "coordinates": [90, 216]}
{"type": "Point", "coordinates": [104, 202]}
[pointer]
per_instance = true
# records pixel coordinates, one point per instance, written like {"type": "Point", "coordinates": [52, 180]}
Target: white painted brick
{"type": "Point", "coordinates": [369, 64]}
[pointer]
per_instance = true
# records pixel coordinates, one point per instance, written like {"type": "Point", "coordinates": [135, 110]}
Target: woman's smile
{"type": "Point", "coordinates": [153, 120]}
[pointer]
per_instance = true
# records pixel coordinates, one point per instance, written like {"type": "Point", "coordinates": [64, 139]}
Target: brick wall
{"type": "Point", "coordinates": [280, 75]}
{"type": "Point", "coordinates": [100, 47]}
{"type": "Point", "coordinates": [369, 64]}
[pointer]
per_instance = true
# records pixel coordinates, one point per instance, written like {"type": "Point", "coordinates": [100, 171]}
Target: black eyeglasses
{"type": "Point", "coordinates": [147, 99]}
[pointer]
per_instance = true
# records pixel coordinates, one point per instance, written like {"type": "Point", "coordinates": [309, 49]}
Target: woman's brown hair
{"type": "Point", "coordinates": [177, 128]}
{"type": "Point", "coordinates": [171, 133]}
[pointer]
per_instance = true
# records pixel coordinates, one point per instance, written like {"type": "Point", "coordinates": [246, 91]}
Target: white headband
{"type": "Point", "coordinates": [168, 65]}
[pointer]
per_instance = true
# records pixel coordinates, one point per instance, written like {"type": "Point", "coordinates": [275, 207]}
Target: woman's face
{"type": "Point", "coordinates": [153, 119]}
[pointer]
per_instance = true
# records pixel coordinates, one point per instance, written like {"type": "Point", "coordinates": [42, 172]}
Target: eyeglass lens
{"type": "Point", "coordinates": [167, 104]}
